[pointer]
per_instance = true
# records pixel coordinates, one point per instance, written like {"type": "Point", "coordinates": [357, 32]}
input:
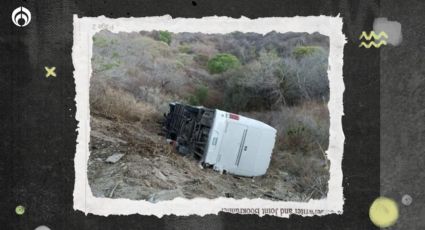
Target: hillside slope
{"type": "Point", "coordinates": [279, 79]}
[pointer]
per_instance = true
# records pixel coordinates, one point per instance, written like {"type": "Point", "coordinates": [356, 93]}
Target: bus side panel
{"type": "Point", "coordinates": [232, 145]}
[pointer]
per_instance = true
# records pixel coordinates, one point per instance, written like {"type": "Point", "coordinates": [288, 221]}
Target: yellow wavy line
{"type": "Point", "coordinates": [373, 34]}
{"type": "Point", "coordinates": [372, 43]}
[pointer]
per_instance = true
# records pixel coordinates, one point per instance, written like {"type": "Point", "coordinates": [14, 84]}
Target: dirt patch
{"type": "Point", "coordinates": [151, 170]}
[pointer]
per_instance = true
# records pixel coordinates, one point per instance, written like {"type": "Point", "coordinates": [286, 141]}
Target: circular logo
{"type": "Point", "coordinates": [21, 16]}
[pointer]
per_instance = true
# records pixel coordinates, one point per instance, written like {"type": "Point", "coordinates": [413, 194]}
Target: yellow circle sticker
{"type": "Point", "coordinates": [20, 210]}
{"type": "Point", "coordinates": [383, 212]}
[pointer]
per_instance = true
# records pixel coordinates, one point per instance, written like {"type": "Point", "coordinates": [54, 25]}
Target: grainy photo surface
{"type": "Point", "coordinates": [248, 82]}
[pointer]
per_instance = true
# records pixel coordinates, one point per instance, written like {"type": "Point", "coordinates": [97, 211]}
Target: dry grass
{"type": "Point", "coordinates": [119, 104]}
{"type": "Point", "coordinates": [302, 139]}
{"type": "Point", "coordinates": [311, 174]}
{"type": "Point", "coordinates": [299, 128]}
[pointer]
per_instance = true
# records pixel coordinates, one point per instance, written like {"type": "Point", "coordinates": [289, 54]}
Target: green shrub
{"type": "Point", "coordinates": [222, 62]}
{"type": "Point", "coordinates": [109, 66]}
{"type": "Point", "coordinates": [115, 55]}
{"type": "Point", "coordinates": [185, 49]}
{"type": "Point", "coordinates": [303, 51]}
{"type": "Point", "coordinates": [104, 66]}
{"type": "Point", "coordinates": [179, 64]}
{"type": "Point", "coordinates": [199, 96]}
{"type": "Point", "coordinates": [99, 41]}
{"type": "Point", "coordinates": [201, 59]}
{"type": "Point", "coordinates": [237, 96]}
{"type": "Point", "coordinates": [165, 36]}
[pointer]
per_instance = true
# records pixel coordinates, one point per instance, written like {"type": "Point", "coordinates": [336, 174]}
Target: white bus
{"type": "Point", "coordinates": [228, 142]}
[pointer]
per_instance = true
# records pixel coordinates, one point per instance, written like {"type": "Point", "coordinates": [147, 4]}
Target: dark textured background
{"type": "Point", "coordinates": [38, 126]}
{"type": "Point", "coordinates": [403, 113]}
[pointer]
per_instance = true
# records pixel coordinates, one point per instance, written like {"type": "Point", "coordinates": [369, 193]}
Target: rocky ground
{"type": "Point", "coordinates": [131, 160]}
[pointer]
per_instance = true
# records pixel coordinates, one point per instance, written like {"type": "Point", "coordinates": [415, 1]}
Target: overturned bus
{"type": "Point", "coordinates": [228, 142]}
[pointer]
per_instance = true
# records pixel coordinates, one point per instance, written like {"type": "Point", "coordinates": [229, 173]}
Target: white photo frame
{"type": "Point", "coordinates": [84, 30]}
